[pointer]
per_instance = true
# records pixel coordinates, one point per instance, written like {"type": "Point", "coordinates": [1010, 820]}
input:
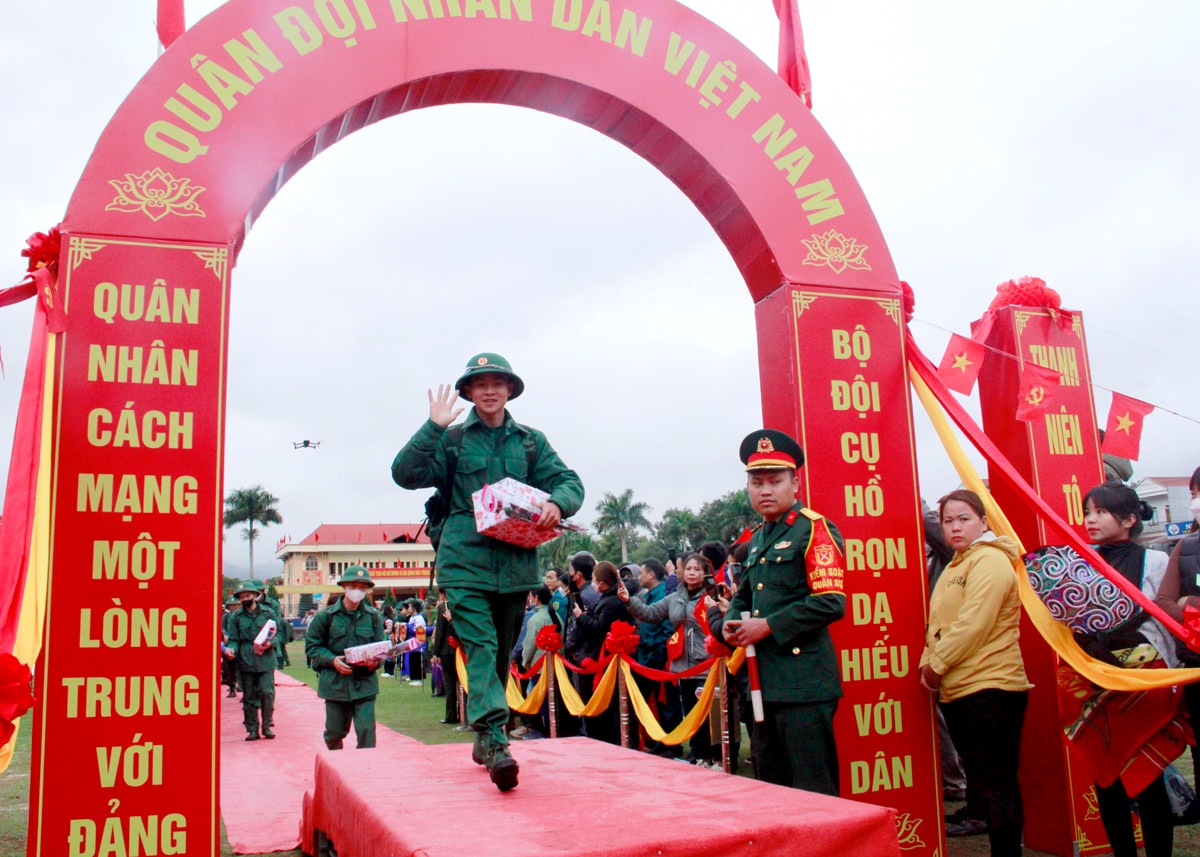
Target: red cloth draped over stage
{"type": "Point", "coordinates": [577, 797]}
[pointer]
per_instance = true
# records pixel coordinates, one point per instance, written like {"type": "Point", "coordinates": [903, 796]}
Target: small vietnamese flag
{"type": "Point", "coordinates": [960, 364]}
{"type": "Point", "coordinates": [1123, 433]}
{"type": "Point", "coordinates": [1037, 388]}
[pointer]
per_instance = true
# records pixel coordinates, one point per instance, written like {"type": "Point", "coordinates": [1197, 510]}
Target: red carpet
{"type": "Point", "coordinates": [263, 782]}
{"type": "Point", "coordinates": [577, 797]}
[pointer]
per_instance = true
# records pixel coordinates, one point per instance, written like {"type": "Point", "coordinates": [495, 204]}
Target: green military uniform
{"type": "Point", "coordinates": [229, 670]}
{"type": "Point", "coordinates": [793, 578]}
{"type": "Point", "coordinates": [348, 698]}
{"type": "Point", "coordinates": [257, 671]}
{"type": "Point", "coordinates": [285, 631]}
{"type": "Point", "coordinates": [486, 580]}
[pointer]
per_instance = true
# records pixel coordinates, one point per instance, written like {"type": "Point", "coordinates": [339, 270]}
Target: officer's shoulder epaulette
{"type": "Point", "coordinates": [811, 515]}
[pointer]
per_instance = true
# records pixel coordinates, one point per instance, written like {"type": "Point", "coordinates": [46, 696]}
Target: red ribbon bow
{"type": "Point", "coordinates": [622, 639]}
{"type": "Point", "coordinates": [716, 648]}
{"type": "Point", "coordinates": [43, 248]}
{"type": "Point", "coordinates": [549, 639]}
{"type": "Point", "coordinates": [16, 696]}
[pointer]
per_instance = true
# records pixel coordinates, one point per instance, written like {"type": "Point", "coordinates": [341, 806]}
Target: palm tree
{"type": "Point", "coordinates": [251, 506]}
{"type": "Point", "coordinates": [620, 514]}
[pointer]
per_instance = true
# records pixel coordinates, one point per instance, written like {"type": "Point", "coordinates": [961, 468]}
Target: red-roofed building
{"type": "Point", "coordinates": [398, 556]}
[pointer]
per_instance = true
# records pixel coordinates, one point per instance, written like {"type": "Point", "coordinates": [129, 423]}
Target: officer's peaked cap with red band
{"type": "Point", "coordinates": [768, 449]}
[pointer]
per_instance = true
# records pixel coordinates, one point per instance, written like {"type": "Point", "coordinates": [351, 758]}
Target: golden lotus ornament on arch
{"type": "Point", "coordinates": [836, 251]}
{"type": "Point", "coordinates": [156, 194]}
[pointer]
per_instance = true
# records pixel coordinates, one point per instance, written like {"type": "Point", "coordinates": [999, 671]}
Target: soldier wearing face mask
{"type": "Point", "coordinates": [255, 661]}
{"type": "Point", "coordinates": [349, 690]}
{"type": "Point", "coordinates": [1179, 591]}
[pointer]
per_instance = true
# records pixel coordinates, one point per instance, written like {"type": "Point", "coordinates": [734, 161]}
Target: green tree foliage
{"type": "Point", "coordinates": [618, 513]}
{"type": "Point", "coordinates": [251, 506]}
{"type": "Point", "coordinates": [725, 518]}
{"type": "Point", "coordinates": [556, 553]}
{"type": "Point", "coordinates": [682, 530]}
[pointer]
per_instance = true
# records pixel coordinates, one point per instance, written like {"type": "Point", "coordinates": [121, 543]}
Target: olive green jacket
{"type": "Point", "coordinates": [796, 661]}
{"type": "Point", "coordinates": [465, 558]}
{"type": "Point", "coordinates": [330, 633]}
{"type": "Point", "coordinates": [243, 627]}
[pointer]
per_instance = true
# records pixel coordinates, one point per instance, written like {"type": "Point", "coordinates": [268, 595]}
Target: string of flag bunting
{"type": "Point", "coordinates": [960, 365]}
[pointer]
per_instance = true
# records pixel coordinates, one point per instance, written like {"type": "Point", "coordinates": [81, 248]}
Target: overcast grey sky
{"type": "Point", "coordinates": [993, 140]}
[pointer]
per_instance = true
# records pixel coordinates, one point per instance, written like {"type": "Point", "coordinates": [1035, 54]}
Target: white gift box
{"type": "Point", "coordinates": [508, 511]}
{"type": "Point", "coordinates": [380, 651]}
{"type": "Point", "coordinates": [267, 632]}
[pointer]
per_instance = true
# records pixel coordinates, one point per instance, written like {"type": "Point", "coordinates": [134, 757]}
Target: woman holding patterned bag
{"type": "Point", "coordinates": [1113, 515]}
{"type": "Point", "coordinates": [972, 660]}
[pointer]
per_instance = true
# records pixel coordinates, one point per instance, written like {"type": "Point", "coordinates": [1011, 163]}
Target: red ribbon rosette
{"type": "Point", "coordinates": [548, 639]}
{"type": "Point", "coordinates": [43, 248]}
{"type": "Point", "coordinates": [16, 696]}
{"type": "Point", "coordinates": [716, 648]}
{"type": "Point", "coordinates": [1026, 291]}
{"type": "Point", "coordinates": [622, 639]}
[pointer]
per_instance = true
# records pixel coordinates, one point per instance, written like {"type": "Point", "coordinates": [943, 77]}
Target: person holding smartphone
{"type": "Point", "coordinates": [790, 592]}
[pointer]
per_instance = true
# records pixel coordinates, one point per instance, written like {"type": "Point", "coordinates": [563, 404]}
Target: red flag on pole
{"type": "Point", "coordinates": [793, 62]}
{"type": "Point", "coordinates": [1123, 433]}
{"type": "Point", "coordinates": [170, 21]}
{"type": "Point", "coordinates": [1037, 388]}
{"type": "Point", "coordinates": [960, 364]}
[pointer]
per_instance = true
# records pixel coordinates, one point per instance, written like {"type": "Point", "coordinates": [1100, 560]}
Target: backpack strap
{"type": "Point", "coordinates": [453, 445]}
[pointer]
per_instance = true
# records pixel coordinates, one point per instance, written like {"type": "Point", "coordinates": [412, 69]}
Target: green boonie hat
{"type": "Point", "coordinates": [488, 362]}
{"type": "Point", "coordinates": [232, 602]}
{"type": "Point", "coordinates": [356, 574]}
{"type": "Point", "coordinates": [257, 585]}
{"type": "Point", "coordinates": [768, 449]}
{"type": "Point", "coordinates": [245, 586]}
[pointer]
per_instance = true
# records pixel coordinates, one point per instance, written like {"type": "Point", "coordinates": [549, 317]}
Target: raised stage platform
{"type": "Point", "coordinates": [577, 797]}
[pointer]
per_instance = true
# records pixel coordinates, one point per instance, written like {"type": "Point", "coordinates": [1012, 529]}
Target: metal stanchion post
{"type": "Point", "coordinates": [551, 694]}
{"type": "Point", "coordinates": [725, 766]}
{"type": "Point", "coordinates": [623, 702]}
{"type": "Point", "coordinates": [462, 694]}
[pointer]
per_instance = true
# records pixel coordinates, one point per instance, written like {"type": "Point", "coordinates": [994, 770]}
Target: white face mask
{"type": "Point", "coordinates": [1195, 507]}
{"type": "Point", "coordinates": [356, 595]}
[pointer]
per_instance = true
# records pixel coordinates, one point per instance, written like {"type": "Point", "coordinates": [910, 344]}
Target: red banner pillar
{"type": "Point", "coordinates": [125, 744]}
{"type": "Point", "coordinates": [1058, 453]}
{"type": "Point", "coordinates": [832, 368]}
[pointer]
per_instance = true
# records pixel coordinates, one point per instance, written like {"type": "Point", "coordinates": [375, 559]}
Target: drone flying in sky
{"type": "Point", "coordinates": [306, 444]}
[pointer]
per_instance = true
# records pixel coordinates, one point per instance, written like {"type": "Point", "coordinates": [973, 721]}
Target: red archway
{"type": "Point", "coordinates": [195, 153]}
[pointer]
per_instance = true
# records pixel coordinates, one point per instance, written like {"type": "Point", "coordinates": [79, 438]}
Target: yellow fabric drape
{"type": "Point", "coordinates": [690, 724]}
{"type": "Point", "coordinates": [531, 704]}
{"type": "Point", "coordinates": [460, 667]}
{"type": "Point", "coordinates": [600, 698]}
{"type": "Point", "coordinates": [1057, 634]}
{"type": "Point", "coordinates": [28, 643]}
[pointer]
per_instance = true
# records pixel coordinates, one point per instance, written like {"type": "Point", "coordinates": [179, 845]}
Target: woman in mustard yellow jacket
{"type": "Point", "coordinates": [972, 660]}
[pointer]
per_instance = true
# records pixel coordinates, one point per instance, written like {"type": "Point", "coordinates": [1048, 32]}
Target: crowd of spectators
{"type": "Point", "coordinates": [668, 601]}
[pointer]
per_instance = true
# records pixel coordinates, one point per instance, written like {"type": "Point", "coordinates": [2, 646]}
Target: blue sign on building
{"type": "Point", "coordinates": [1176, 529]}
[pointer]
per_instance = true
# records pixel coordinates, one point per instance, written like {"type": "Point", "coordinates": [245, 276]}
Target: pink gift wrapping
{"type": "Point", "coordinates": [380, 651]}
{"type": "Point", "coordinates": [507, 510]}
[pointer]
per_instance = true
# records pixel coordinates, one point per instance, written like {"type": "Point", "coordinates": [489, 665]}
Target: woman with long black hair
{"type": "Point", "coordinates": [1113, 515]}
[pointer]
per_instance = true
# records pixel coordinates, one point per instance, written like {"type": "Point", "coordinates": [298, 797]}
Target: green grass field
{"type": "Point", "coordinates": [414, 712]}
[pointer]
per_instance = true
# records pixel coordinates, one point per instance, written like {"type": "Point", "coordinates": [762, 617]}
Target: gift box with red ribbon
{"type": "Point", "coordinates": [508, 510]}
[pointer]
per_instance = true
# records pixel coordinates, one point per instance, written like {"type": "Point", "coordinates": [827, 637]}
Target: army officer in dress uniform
{"type": "Point", "coordinates": [349, 690]}
{"type": "Point", "coordinates": [791, 591]}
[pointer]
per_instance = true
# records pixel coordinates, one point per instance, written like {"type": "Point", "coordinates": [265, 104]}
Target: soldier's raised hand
{"type": "Point", "coordinates": [441, 409]}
